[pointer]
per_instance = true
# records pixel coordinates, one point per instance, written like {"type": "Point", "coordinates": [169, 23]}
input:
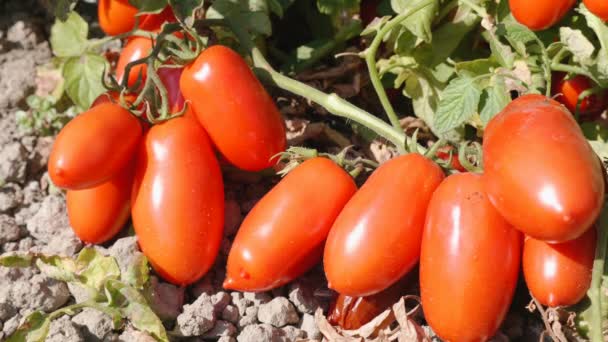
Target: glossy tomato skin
{"type": "Point", "coordinates": [170, 78]}
{"type": "Point", "coordinates": [540, 14]}
{"type": "Point", "coordinates": [540, 172]}
{"type": "Point", "coordinates": [469, 263]}
{"type": "Point", "coordinates": [559, 274]}
{"type": "Point", "coordinates": [94, 147]}
{"type": "Point", "coordinates": [376, 238]}
{"type": "Point", "coordinates": [97, 214]}
{"type": "Point", "coordinates": [178, 200]}
{"type": "Point", "coordinates": [283, 235]}
{"type": "Point", "coordinates": [116, 16]}
{"type": "Point", "coordinates": [154, 22]}
{"type": "Point", "coordinates": [233, 106]}
{"type": "Point", "coordinates": [567, 92]}
{"type": "Point", "coordinates": [598, 7]}
{"type": "Point", "coordinates": [134, 49]}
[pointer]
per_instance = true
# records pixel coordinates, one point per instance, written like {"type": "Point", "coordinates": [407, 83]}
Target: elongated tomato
{"type": "Point", "coordinates": [116, 16]}
{"type": "Point", "coordinates": [376, 238]}
{"type": "Point", "coordinates": [97, 214]}
{"type": "Point", "coordinates": [469, 263]}
{"type": "Point", "coordinates": [178, 200]}
{"type": "Point", "coordinates": [233, 106]}
{"type": "Point", "coordinates": [136, 48]}
{"type": "Point", "coordinates": [540, 14]}
{"type": "Point", "coordinates": [598, 7]}
{"type": "Point", "coordinates": [540, 172]}
{"type": "Point", "coordinates": [559, 274]}
{"type": "Point", "coordinates": [283, 235]}
{"type": "Point", "coordinates": [94, 147]}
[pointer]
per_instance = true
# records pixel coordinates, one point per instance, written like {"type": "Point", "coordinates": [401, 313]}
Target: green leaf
{"type": "Point", "coordinates": [578, 44]}
{"type": "Point", "coordinates": [600, 66]}
{"type": "Point", "coordinates": [597, 135]}
{"type": "Point", "coordinates": [57, 267]}
{"type": "Point", "coordinates": [34, 328]}
{"type": "Point", "coordinates": [16, 260]}
{"type": "Point", "coordinates": [494, 100]}
{"type": "Point", "coordinates": [502, 53]}
{"type": "Point", "coordinates": [184, 9]}
{"type": "Point", "coordinates": [332, 7]}
{"type": "Point", "coordinates": [517, 32]}
{"type": "Point", "coordinates": [137, 273]}
{"type": "Point", "coordinates": [69, 38]}
{"type": "Point", "coordinates": [249, 15]}
{"type": "Point", "coordinates": [420, 22]}
{"type": "Point", "coordinates": [375, 25]}
{"type": "Point", "coordinates": [97, 268]}
{"type": "Point", "coordinates": [83, 78]}
{"type": "Point", "coordinates": [459, 102]}
{"type": "Point", "coordinates": [149, 6]}
{"type": "Point", "coordinates": [476, 67]}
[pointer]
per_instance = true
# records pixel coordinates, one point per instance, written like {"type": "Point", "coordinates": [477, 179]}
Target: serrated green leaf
{"type": "Point", "coordinates": [459, 101]}
{"type": "Point", "coordinates": [69, 37]}
{"type": "Point", "coordinates": [97, 268]}
{"type": "Point", "coordinates": [375, 25]}
{"type": "Point", "coordinates": [476, 67]}
{"type": "Point", "coordinates": [332, 7]}
{"type": "Point", "coordinates": [600, 65]}
{"type": "Point", "coordinates": [34, 328]}
{"type": "Point", "coordinates": [494, 100]}
{"type": "Point", "coordinates": [419, 23]}
{"type": "Point", "coordinates": [502, 53]}
{"type": "Point", "coordinates": [249, 15]}
{"type": "Point", "coordinates": [597, 135]}
{"type": "Point", "coordinates": [83, 78]}
{"type": "Point", "coordinates": [581, 48]}
{"type": "Point", "coordinates": [518, 32]}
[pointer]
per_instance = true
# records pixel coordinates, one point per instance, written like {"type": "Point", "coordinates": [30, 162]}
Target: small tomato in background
{"type": "Point", "coordinates": [470, 261]}
{"type": "Point", "coordinates": [283, 235]}
{"type": "Point", "coordinates": [559, 274]}
{"type": "Point", "coordinates": [540, 14]}
{"type": "Point", "coordinates": [135, 48]}
{"type": "Point", "coordinates": [154, 22]}
{"type": "Point", "coordinates": [116, 16]}
{"type": "Point", "coordinates": [93, 147]}
{"type": "Point", "coordinates": [540, 172]}
{"type": "Point", "coordinates": [568, 90]}
{"type": "Point", "coordinates": [444, 154]}
{"type": "Point", "coordinates": [376, 238]}
{"type": "Point", "coordinates": [233, 106]}
{"type": "Point", "coordinates": [598, 7]}
{"type": "Point", "coordinates": [97, 214]}
{"type": "Point", "coordinates": [178, 200]}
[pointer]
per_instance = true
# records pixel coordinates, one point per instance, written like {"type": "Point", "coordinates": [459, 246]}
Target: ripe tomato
{"type": "Point", "coordinates": [376, 238]}
{"type": "Point", "coordinates": [178, 200]}
{"type": "Point", "coordinates": [116, 16]}
{"type": "Point", "coordinates": [540, 14]}
{"type": "Point", "coordinates": [559, 274]}
{"type": "Point", "coordinates": [353, 312]}
{"type": "Point", "coordinates": [97, 214]}
{"type": "Point", "coordinates": [569, 91]}
{"type": "Point", "coordinates": [94, 147]}
{"type": "Point", "coordinates": [154, 22]}
{"type": "Point", "coordinates": [233, 106]}
{"type": "Point", "coordinates": [170, 78]}
{"type": "Point", "coordinates": [444, 154]}
{"type": "Point", "coordinates": [540, 172]}
{"type": "Point", "coordinates": [469, 263]}
{"type": "Point", "coordinates": [136, 48]}
{"type": "Point", "coordinates": [283, 235]}
{"type": "Point", "coordinates": [598, 7]}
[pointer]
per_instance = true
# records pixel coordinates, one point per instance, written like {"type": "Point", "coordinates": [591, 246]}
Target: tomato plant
{"type": "Point", "coordinates": [116, 16]}
{"type": "Point", "coordinates": [170, 78]}
{"type": "Point", "coordinates": [376, 238]}
{"type": "Point", "coordinates": [559, 274]}
{"type": "Point", "coordinates": [136, 48]}
{"type": "Point", "coordinates": [97, 214]}
{"type": "Point", "coordinates": [540, 172]}
{"type": "Point", "coordinates": [233, 106]}
{"type": "Point", "coordinates": [469, 263]}
{"type": "Point", "coordinates": [541, 14]}
{"type": "Point", "coordinates": [598, 7]}
{"type": "Point", "coordinates": [569, 90]}
{"type": "Point", "coordinates": [94, 147]}
{"type": "Point", "coordinates": [283, 235]}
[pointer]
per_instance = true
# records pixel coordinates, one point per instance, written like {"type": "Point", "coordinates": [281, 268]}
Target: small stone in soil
{"type": "Point", "coordinates": [310, 327]}
{"type": "Point", "coordinates": [94, 324]}
{"type": "Point", "coordinates": [302, 296]}
{"type": "Point", "coordinates": [221, 328]}
{"type": "Point", "coordinates": [64, 330]}
{"type": "Point", "coordinates": [260, 332]}
{"type": "Point", "coordinates": [278, 312]}
{"type": "Point", "coordinates": [166, 299]}
{"type": "Point", "coordinates": [9, 230]}
{"type": "Point", "coordinates": [230, 314]}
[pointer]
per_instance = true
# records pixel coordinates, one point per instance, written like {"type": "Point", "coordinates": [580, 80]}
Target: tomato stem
{"type": "Point", "coordinates": [370, 60]}
{"type": "Point", "coordinates": [595, 291]}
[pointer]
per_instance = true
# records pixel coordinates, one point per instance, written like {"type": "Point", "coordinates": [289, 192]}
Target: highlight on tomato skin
{"type": "Point", "coordinates": [470, 261]}
{"type": "Point", "coordinates": [559, 274]}
{"type": "Point", "coordinates": [116, 16]}
{"type": "Point", "coordinates": [376, 238]}
{"type": "Point", "coordinates": [540, 172]}
{"type": "Point", "coordinates": [283, 235]}
{"type": "Point", "coordinates": [136, 48]}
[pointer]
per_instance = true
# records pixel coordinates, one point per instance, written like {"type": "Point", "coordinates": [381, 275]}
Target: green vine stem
{"type": "Point", "coordinates": [370, 60]}
{"type": "Point", "coordinates": [595, 291]}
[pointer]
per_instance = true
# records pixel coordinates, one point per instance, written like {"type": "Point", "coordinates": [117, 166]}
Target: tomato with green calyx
{"type": "Point", "coordinates": [376, 238]}
{"type": "Point", "coordinates": [559, 274]}
{"type": "Point", "coordinates": [136, 48]}
{"type": "Point", "coordinates": [283, 235]}
{"type": "Point", "coordinates": [233, 106]}
{"type": "Point", "coordinates": [540, 172]}
{"type": "Point", "coordinates": [469, 263]}
{"type": "Point", "coordinates": [94, 147]}
{"type": "Point", "coordinates": [154, 22]}
{"type": "Point", "coordinates": [97, 214]}
{"type": "Point", "coordinates": [178, 200]}
{"type": "Point", "coordinates": [116, 16]}
{"type": "Point", "coordinates": [598, 7]}
{"type": "Point", "coordinates": [568, 90]}
{"type": "Point", "coordinates": [540, 14]}
{"type": "Point", "coordinates": [444, 153]}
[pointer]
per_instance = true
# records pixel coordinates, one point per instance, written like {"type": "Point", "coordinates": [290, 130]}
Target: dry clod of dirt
{"type": "Point", "coordinates": [310, 327]}
{"type": "Point", "coordinates": [278, 312]}
{"type": "Point", "coordinates": [95, 325]}
{"type": "Point", "coordinates": [302, 296]}
{"type": "Point", "coordinates": [125, 251]}
{"type": "Point", "coordinates": [13, 163]}
{"type": "Point", "coordinates": [221, 328]}
{"type": "Point", "coordinates": [132, 335]}
{"type": "Point", "coordinates": [9, 230]}
{"type": "Point", "coordinates": [230, 314]}
{"type": "Point", "coordinates": [257, 298]}
{"type": "Point", "coordinates": [200, 316]}
{"type": "Point", "coordinates": [165, 299]}
{"type": "Point", "coordinates": [249, 317]}
{"type": "Point", "coordinates": [64, 330]}
{"type": "Point", "coordinates": [15, 84]}
{"type": "Point", "coordinates": [292, 333]}
{"type": "Point", "coordinates": [260, 332]}
{"type": "Point", "coordinates": [11, 197]}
